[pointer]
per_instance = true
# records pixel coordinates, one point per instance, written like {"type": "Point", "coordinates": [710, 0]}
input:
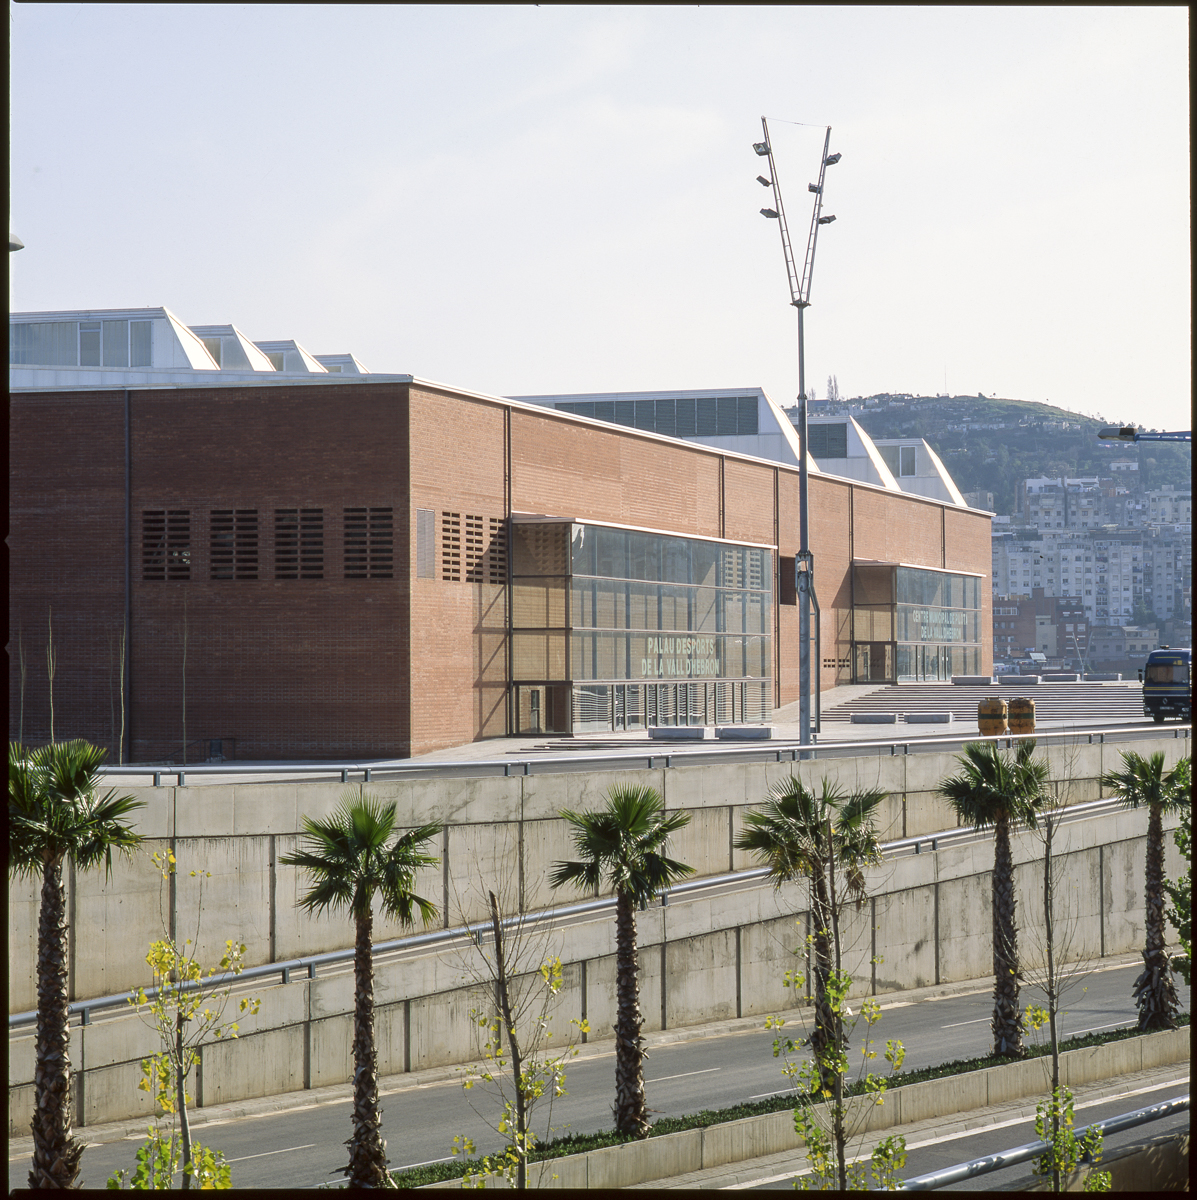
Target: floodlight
{"type": "Point", "coordinates": [762, 148]}
{"type": "Point", "coordinates": [827, 220]}
{"type": "Point", "coordinates": [814, 187]}
{"type": "Point", "coordinates": [763, 181]}
{"type": "Point", "coordinates": [769, 212]}
{"type": "Point", "coordinates": [831, 160]}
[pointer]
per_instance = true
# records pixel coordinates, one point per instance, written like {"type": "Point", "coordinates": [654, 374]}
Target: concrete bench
{"type": "Point", "coordinates": [1060, 677]}
{"type": "Point", "coordinates": [679, 733]}
{"type": "Point", "coordinates": [1103, 677]}
{"type": "Point", "coordinates": [874, 718]}
{"type": "Point", "coordinates": [973, 680]}
{"type": "Point", "coordinates": [744, 733]}
{"type": "Point", "coordinates": [1018, 680]}
{"type": "Point", "coordinates": [929, 718]}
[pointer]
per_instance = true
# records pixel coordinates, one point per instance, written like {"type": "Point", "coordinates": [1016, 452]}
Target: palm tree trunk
{"type": "Point", "coordinates": [367, 1152]}
{"type": "Point", "coordinates": [631, 1114]}
{"type": "Point", "coordinates": [1007, 1020]}
{"type": "Point", "coordinates": [1154, 990]}
{"type": "Point", "coordinates": [56, 1152]}
{"type": "Point", "coordinates": [823, 1036]}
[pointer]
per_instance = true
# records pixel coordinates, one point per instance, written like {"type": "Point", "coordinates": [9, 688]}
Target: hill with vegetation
{"type": "Point", "coordinates": [990, 444]}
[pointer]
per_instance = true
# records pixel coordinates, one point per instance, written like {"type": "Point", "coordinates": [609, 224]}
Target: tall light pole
{"type": "Point", "coordinates": [800, 299]}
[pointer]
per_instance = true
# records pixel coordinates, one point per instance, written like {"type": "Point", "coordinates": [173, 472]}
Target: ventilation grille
{"type": "Point", "coordinates": [299, 543]}
{"type": "Point", "coordinates": [369, 543]}
{"type": "Point", "coordinates": [165, 544]}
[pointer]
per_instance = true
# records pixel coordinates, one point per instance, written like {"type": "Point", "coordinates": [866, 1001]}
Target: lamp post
{"type": "Point", "coordinates": [800, 299]}
{"type": "Point", "coordinates": [1128, 433]}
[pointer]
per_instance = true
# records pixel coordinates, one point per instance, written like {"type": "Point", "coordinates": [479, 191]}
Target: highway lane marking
{"type": "Point", "coordinates": [683, 1075]}
{"type": "Point", "coordinates": [1095, 1028]}
{"type": "Point", "coordinates": [957, 1024]}
{"type": "Point", "coordinates": [268, 1153]}
{"type": "Point", "coordinates": [429, 1163]}
{"type": "Point", "coordinates": [768, 1095]}
{"type": "Point", "coordinates": [951, 1137]}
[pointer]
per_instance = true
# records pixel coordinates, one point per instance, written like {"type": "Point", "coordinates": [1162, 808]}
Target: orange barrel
{"type": "Point", "coordinates": [991, 716]}
{"type": "Point", "coordinates": [1022, 716]}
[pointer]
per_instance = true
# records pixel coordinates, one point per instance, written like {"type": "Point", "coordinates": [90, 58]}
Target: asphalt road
{"type": "Point", "coordinates": [938, 1153]}
{"type": "Point", "coordinates": [304, 1147]}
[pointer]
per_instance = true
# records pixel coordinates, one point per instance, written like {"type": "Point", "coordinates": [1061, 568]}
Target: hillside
{"type": "Point", "coordinates": [1030, 439]}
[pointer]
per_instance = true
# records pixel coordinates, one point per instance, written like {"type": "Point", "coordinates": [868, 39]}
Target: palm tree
{"type": "Point", "coordinates": [804, 836]}
{"type": "Point", "coordinates": [353, 861]}
{"type": "Point", "coordinates": [1144, 781]}
{"type": "Point", "coordinates": [624, 844]}
{"type": "Point", "coordinates": [54, 816]}
{"type": "Point", "coordinates": [1000, 791]}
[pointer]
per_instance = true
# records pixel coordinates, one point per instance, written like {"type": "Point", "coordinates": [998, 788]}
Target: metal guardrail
{"type": "Point", "coordinates": [308, 965]}
{"type": "Point", "coordinates": [619, 760]}
{"type": "Point", "coordinates": [1020, 1154]}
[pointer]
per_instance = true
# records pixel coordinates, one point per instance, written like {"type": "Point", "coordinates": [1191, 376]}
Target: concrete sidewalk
{"type": "Point", "coordinates": [772, 1168]}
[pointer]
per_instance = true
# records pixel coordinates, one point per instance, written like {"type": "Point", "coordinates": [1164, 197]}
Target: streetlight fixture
{"type": "Point", "coordinates": [1128, 433]}
{"type": "Point", "coordinates": [800, 299]}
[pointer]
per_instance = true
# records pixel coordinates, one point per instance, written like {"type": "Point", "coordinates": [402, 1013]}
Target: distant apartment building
{"type": "Point", "coordinates": [1168, 506]}
{"type": "Point", "coordinates": [1122, 644]}
{"type": "Point", "coordinates": [1054, 626]}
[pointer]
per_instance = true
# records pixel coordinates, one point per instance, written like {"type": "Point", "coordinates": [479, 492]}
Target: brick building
{"type": "Point", "coordinates": [246, 549]}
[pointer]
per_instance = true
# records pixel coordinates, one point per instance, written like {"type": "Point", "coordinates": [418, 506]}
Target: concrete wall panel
{"type": "Point", "coordinates": [117, 920]}
{"type": "Point", "coordinates": [263, 1064]}
{"type": "Point", "coordinates": [231, 901]}
{"type": "Point", "coordinates": [905, 939]}
{"type": "Point", "coordinates": [332, 1050]}
{"type": "Point", "coordinates": [767, 951]}
{"type": "Point", "coordinates": [442, 1029]}
{"type": "Point", "coordinates": [965, 932]}
{"type": "Point", "coordinates": [1122, 895]}
{"type": "Point", "coordinates": [482, 858]}
{"type": "Point", "coordinates": [701, 975]}
{"type": "Point", "coordinates": [703, 844]}
{"type": "Point", "coordinates": [544, 796]}
{"type": "Point", "coordinates": [546, 843]}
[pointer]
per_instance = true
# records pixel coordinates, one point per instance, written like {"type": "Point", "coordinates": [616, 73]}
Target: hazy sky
{"type": "Point", "coordinates": [564, 199]}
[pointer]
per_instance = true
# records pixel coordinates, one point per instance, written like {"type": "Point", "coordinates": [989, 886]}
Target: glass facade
{"type": "Point", "coordinates": [621, 629]}
{"type": "Point", "coordinates": [702, 416]}
{"type": "Point", "coordinates": [909, 623]}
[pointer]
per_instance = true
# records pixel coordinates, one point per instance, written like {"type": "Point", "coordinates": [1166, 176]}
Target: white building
{"type": "Point", "coordinates": [747, 421]}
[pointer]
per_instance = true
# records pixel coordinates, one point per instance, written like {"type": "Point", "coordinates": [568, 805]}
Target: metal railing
{"type": "Point", "coordinates": [621, 759]}
{"type": "Point", "coordinates": [306, 967]}
{"type": "Point", "coordinates": [1020, 1154]}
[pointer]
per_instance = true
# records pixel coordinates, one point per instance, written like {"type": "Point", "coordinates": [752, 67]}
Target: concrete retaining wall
{"type": "Point", "coordinates": [502, 828]}
{"type": "Point", "coordinates": [676, 1154]}
{"type": "Point", "coordinates": [927, 921]}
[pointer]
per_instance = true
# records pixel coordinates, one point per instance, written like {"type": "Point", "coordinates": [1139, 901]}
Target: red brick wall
{"type": "Point", "coordinates": [337, 667]}
{"type": "Point", "coordinates": [295, 668]}
{"type": "Point", "coordinates": [458, 628]}
{"type": "Point", "coordinates": [66, 555]}
{"type": "Point", "coordinates": [564, 468]}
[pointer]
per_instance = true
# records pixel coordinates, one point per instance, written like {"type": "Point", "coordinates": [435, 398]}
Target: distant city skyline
{"type": "Point", "coordinates": [524, 200]}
